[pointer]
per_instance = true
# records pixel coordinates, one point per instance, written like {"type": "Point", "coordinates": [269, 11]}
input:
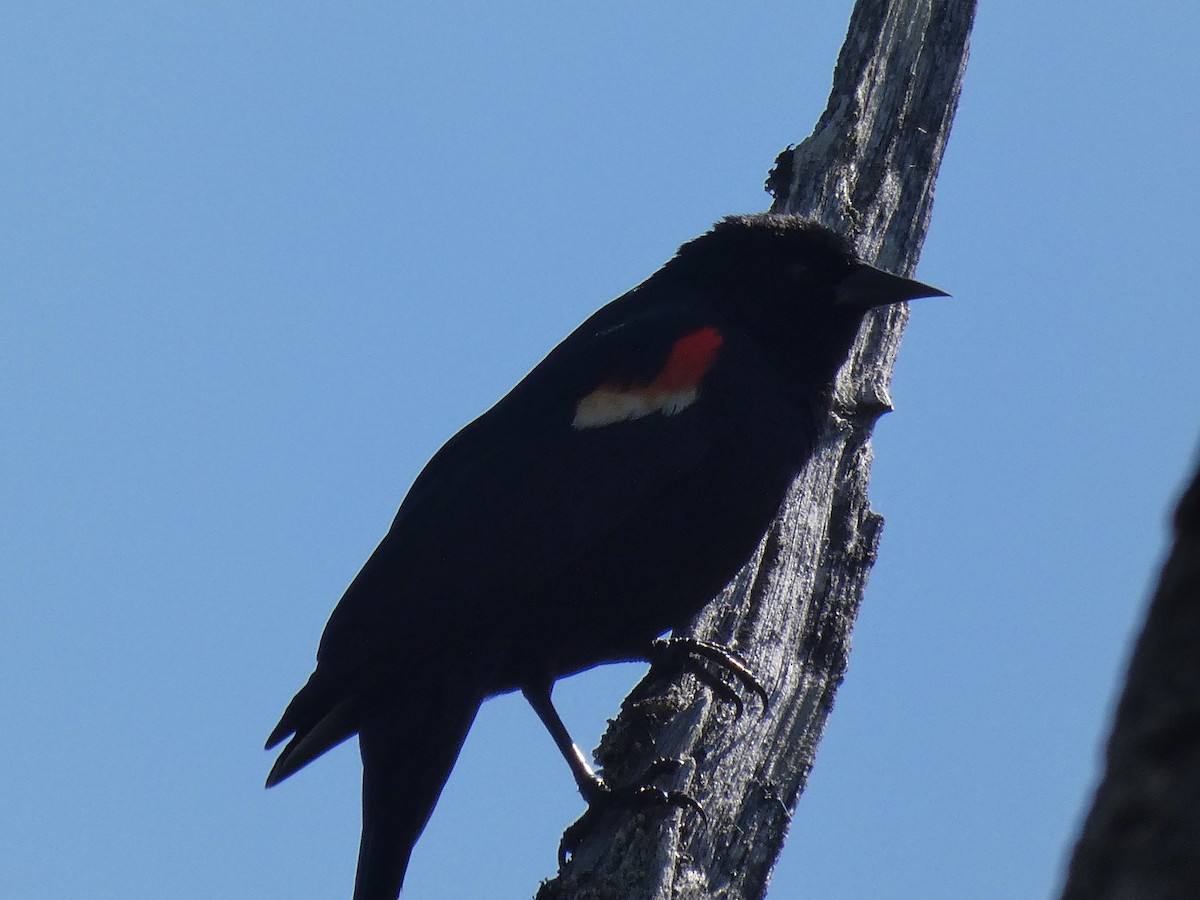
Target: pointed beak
{"type": "Point", "coordinates": [867, 286]}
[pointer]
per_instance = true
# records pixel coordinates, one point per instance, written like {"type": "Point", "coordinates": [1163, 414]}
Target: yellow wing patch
{"type": "Point", "coordinates": [607, 405]}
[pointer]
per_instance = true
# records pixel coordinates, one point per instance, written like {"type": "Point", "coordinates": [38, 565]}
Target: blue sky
{"type": "Point", "coordinates": [262, 259]}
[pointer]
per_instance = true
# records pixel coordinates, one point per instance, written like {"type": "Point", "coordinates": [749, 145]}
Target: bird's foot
{"type": "Point", "coordinates": [690, 655]}
{"type": "Point", "coordinates": [602, 799]}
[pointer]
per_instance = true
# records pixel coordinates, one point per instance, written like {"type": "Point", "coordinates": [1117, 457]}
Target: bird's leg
{"type": "Point", "coordinates": [690, 654]}
{"type": "Point", "coordinates": [590, 785]}
{"type": "Point", "coordinates": [599, 797]}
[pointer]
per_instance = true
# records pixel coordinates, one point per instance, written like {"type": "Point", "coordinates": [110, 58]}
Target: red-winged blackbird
{"type": "Point", "coordinates": [602, 502]}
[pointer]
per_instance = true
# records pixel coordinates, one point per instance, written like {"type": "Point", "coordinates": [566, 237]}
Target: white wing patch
{"type": "Point", "coordinates": [607, 405]}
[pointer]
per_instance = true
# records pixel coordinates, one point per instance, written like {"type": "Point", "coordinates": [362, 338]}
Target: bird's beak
{"type": "Point", "coordinates": [867, 286]}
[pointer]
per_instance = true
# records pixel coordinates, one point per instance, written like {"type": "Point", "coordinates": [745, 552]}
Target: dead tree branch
{"type": "Point", "coordinates": [867, 170]}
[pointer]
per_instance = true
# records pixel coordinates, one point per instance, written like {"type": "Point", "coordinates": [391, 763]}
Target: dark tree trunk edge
{"type": "Point", "coordinates": [1141, 840]}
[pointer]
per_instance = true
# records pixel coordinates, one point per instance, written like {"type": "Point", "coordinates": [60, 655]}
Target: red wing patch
{"type": "Point", "coordinates": [672, 390]}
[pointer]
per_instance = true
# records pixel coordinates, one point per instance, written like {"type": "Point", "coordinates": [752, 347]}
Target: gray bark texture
{"type": "Point", "coordinates": [868, 170]}
{"type": "Point", "coordinates": [1141, 840]}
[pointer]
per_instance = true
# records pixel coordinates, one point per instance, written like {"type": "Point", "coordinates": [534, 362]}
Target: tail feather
{"type": "Point", "coordinates": [312, 703]}
{"type": "Point", "coordinates": [407, 756]}
{"type": "Point", "coordinates": [308, 743]}
{"type": "Point", "coordinates": [323, 713]}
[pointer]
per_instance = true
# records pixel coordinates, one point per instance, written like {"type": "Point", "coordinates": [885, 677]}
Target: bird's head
{"type": "Point", "coordinates": [796, 285]}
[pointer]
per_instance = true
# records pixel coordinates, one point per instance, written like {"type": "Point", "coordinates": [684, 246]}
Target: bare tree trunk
{"type": "Point", "coordinates": [1141, 840]}
{"type": "Point", "coordinates": [868, 170]}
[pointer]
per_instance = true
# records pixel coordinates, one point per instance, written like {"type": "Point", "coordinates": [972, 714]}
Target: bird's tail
{"type": "Point", "coordinates": [409, 745]}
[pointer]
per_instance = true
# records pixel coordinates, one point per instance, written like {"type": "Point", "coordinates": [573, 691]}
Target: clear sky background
{"type": "Point", "coordinates": [260, 259]}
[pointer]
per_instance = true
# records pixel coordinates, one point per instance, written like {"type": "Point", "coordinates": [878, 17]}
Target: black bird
{"type": "Point", "coordinates": [602, 502]}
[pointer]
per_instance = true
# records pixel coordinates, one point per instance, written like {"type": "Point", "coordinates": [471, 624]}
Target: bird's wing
{"type": "Point", "coordinates": [601, 427]}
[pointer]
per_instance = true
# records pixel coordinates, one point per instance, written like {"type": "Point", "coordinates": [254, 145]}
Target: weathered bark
{"type": "Point", "coordinates": [1141, 840]}
{"type": "Point", "coordinates": [868, 170]}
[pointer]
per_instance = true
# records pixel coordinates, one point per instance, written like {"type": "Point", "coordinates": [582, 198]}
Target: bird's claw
{"type": "Point", "coordinates": [602, 799]}
{"type": "Point", "coordinates": [689, 654]}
